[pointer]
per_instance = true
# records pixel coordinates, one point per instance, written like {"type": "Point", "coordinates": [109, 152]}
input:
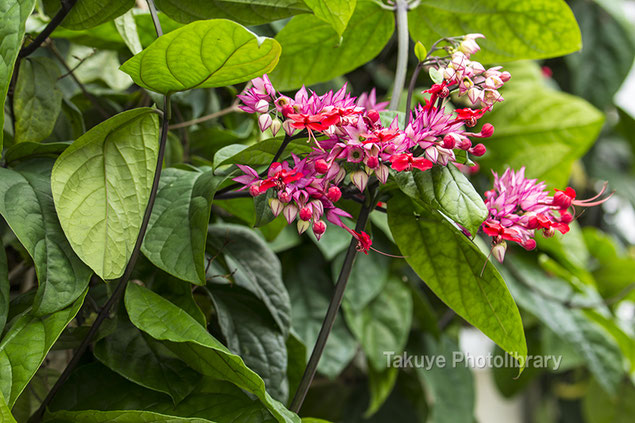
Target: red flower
{"type": "Point", "coordinates": [319, 122]}
{"type": "Point", "coordinates": [401, 162]}
{"type": "Point", "coordinates": [497, 230]}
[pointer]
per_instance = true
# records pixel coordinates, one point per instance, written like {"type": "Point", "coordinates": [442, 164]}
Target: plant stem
{"type": "Point", "coordinates": [401, 10]}
{"type": "Point", "coordinates": [67, 5]}
{"type": "Point", "coordinates": [123, 281]}
{"type": "Point", "coordinates": [411, 88]}
{"type": "Point", "coordinates": [223, 112]}
{"type": "Point", "coordinates": [334, 305]}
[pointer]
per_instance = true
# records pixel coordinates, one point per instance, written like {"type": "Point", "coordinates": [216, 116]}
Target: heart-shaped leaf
{"type": "Point", "coordinates": [101, 185]}
{"type": "Point", "coordinates": [203, 54]}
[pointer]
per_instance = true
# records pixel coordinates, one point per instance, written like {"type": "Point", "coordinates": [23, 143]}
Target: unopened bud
{"type": "Point", "coordinates": [530, 244]}
{"type": "Point", "coordinates": [321, 166]}
{"type": "Point", "coordinates": [487, 130]}
{"type": "Point", "coordinates": [341, 174]}
{"type": "Point", "coordinates": [262, 106]}
{"type": "Point", "coordinates": [306, 213]}
{"type": "Point", "coordinates": [372, 162]}
{"type": "Point", "coordinates": [254, 190]}
{"type": "Point", "coordinates": [382, 173]}
{"type": "Point", "coordinates": [319, 227]}
{"type": "Point", "coordinates": [290, 212]}
{"type": "Point", "coordinates": [284, 196]}
{"type": "Point", "coordinates": [264, 122]}
{"type": "Point", "coordinates": [275, 126]}
{"type": "Point", "coordinates": [373, 115]}
{"type": "Point", "coordinates": [505, 76]}
{"type": "Point", "coordinates": [276, 206]}
{"type": "Point", "coordinates": [359, 179]}
{"type": "Point", "coordinates": [449, 141]}
{"type": "Point", "coordinates": [303, 225]}
{"type": "Point", "coordinates": [478, 150]}
{"type": "Point", "coordinates": [334, 194]}
{"type": "Point", "coordinates": [498, 251]}
{"type": "Point", "coordinates": [288, 127]}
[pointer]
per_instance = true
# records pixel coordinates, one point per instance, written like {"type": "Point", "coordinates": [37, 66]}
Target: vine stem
{"type": "Point", "coordinates": [123, 281]}
{"type": "Point", "coordinates": [401, 11]}
{"type": "Point", "coordinates": [67, 5]}
{"type": "Point", "coordinates": [334, 305]}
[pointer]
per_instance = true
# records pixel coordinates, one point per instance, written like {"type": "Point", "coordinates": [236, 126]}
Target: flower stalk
{"type": "Point", "coordinates": [401, 14]}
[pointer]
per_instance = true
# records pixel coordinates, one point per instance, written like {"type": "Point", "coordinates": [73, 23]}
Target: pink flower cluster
{"type": "Point", "coordinates": [518, 207]}
{"type": "Point", "coordinates": [350, 143]}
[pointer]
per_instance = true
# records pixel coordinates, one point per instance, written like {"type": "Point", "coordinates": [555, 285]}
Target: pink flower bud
{"type": "Point", "coordinates": [359, 179]}
{"type": "Point", "coordinates": [487, 130]}
{"type": "Point", "coordinates": [463, 143]}
{"type": "Point", "coordinates": [318, 209]}
{"type": "Point", "coordinates": [288, 127]}
{"type": "Point", "coordinates": [334, 194]}
{"type": "Point", "coordinates": [284, 196]}
{"type": "Point", "coordinates": [306, 213]}
{"type": "Point", "coordinates": [498, 251]}
{"type": "Point", "coordinates": [254, 190]}
{"type": "Point", "coordinates": [303, 225]}
{"type": "Point", "coordinates": [478, 150]}
{"type": "Point", "coordinates": [319, 227]}
{"type": "Point", "coordinates": [449, 141]}
{"type": "Point", "coordinates": [276, 206]}
{"type": "Point", "coordinates": [264, 122]}
{"type": "Point", "coordinates": [530, 244]}
{"type": "Point", "coordinates": [505, 76]}
{"type": "Point", "coordinates": [372, 162]}
{"type": "Point", "coordinates": [373, 115]}
{"type": "Point", "coordinates": [321, 166]}
{"type": "Point", "coordinates": [548, 233]}
{"type": "Point", "coordinates": [566, 218]}
{"type": "Point", "coordinates": [262, 106]}
{"type": "Point", "coordinates": [275, 126]}
{"type": "Point", "coordinates": [290, 212]}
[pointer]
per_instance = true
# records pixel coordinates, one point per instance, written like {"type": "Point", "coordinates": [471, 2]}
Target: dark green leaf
{"type": "Point", "coordinates": [175, 241]}
{"type": "Point", "coordinates": [189, 340]}
{"type": "Point", "coordinates": [145, 361]}
{"type": "Point", "coordinates": [446, 189]}
{"type": "Point", "coordinates": [252, 334]}
{"type": "Point", "coordinates": [451, 266]}
{"type": "Point", "coordinates": [27, 206]}
{"type": "Point", "coordinates": [179, 293]}
{"type": "Point", "coordinates": [602, 408]}
{"type": "Point", "coordinates": [514, 29]}
{"type": "Point", "coordinates": [101, 185]}
{"type": "Point", "coordinates": [383, 325]}
{"type": "Point", "coordinates": [129, 416]}
{"type": "Point", "coordinates": [202, 54]}
{"type": "Point", "coordinates": [247, 13]}
{"type": "Point", "coordinates": [381, 385]}
{"type": "Point", "coordinates": [296, 361]}
{"type": "Point", "coordinates": [27, 149]}
{"type": "Point", "coordinates": [253, 266]}
{"type": "Point", "coordinates": [90, 13]}
{"type": "Point", "coordinates": [336, 13]}
{"type": "Point", "coordinates": [25, 345]}
{"type": "Point", "coordinates": [5, 411]}
{"type": "Point", "coordinates": [312, 52]}
{"type": "Point", "coordinates": [13, 14]}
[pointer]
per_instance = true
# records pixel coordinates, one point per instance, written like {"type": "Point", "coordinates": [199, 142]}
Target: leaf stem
{"type": "Point", "coordinates": [401, 11]}
{"type": "Point", "coordinates": [334, 305]}
{"type": "Point", "coordinates": [67, 5]}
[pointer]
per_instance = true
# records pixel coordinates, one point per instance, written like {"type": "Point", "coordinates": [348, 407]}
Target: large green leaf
{"type": "Point", "coordinates": [543, 130]}
{"type": "Point", "coordinates": [451, 266]}
{"type": "Point", "coordinates": [127, 416]}
{"type": "Point", "coordinates": [203, 54]}
{"type": "Point", "coordinates": [451, 386]}
{"type": "Point", "coordinates": [143, 360]}
{"type": "Point", "coordinates": [192, 342]}
{"type": "Point", "coordinates": [515, 30]}
{"type": "Point", "coordinates": [246, 12]}
{"type": "Point", "coordinates": [37, 100]}
{"type": "Point", "coordinates": [608, 37]}
{"type": "Point", "coordinates": [253, 266]}
{"type": "Point", "coordinates": [335, 12]}
{"type": "Point", "coordinates": [252, 334]}
{"type": "Point", "coordinates": [13, 14]}
{"type": "Point", "coordinates": [380, 385]}
{"type": "Point", "coordinates": [446, 189]}
{"type": "Point", "coordinates": [5, 411]}
{"type": "Point", "coordinates": [4, 288]}
{"type": "Point", "coordinates": [175, 241]}
{"type": "Point", "coordinates": [27, 149]}
{"type": "Point", "coordinates": [312, 51]}
{"type": "Point", "coordinates": [27, 206]}
{"type": "Point", "coordinates": [25, 345]}
{"type": "Point", "coordinates": [310, 289]}
{"type": "Point", "coordinates": [101, 185]}
{"type": "Point", "coordinates": [90, 13]}
{"type": "Point", "coordinates": [384, 324]}
{"type": "Point", "coordinates": [594, 344]}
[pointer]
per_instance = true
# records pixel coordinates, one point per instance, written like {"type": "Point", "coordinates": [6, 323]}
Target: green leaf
{"type": "Point", "coordinates": [127, 28]}
{"type": "Point", "coordinates": [4, 288]}
{"type": "Point", "coordinates": [27, 206]}
{"type": "Point", "coordinates": [261, 153]}
{"type": "Point", "coordinates": [451, 386]}
{"type": "Point", "coordinates": [25, 345]}
{"type": "Point", "coordinates": [252, 334]}
{"type": "Point", "coordinates": [5, 411]}
{"type": "Point", "coordinates": [145, 361]}
{"type": "Point", "coordinates": [543, 130]}
{"type": "Point", "coordinates": [253, 266]}
{"type": "Point", "coordinates": [608, 37]}
{"type": "Point", "coordinates": [594, 344]}
{"type": "Point", "coordinates": [189, 340]}
{"type": "Point", "coordinates": [13, 14]}
{"type": "Point", "coordinates": [175, 240]}
{"type": "Point", "coordinates": [310, 289]}
{"type": "Point", "coordinates": [336, 13]}
{"type": "Point", "coordinates": [245, 12]}
{"type": "Point", "coordinates": [27, 149]}
{"type": "Point", "coordinates": [384, 324]}
{"type": "Point", "coordinates": [202, 54]}
{"type": "Point", "coordinates": [451, 266]}
{"type": "Point", "coordinates": [446, 189]}
{"type": "Point", "coordinates": [37, 100]}
{"type": "Point", "coordinates": [515, 30]}
{"type": "Point", "coordinates": [101, 185]}
{"type": "Point", "coordinates": [130, 416]}
{"type": "Point", "coordinates": [599, 407]}
{"type": "Point", "coordinates": [296, 361]}
{"type": "Point", "coordinates": [90, 13]}
{"type": "Point", "coordinates": [381, 385]}
{"type": "Point", "coordinates": [312, 51]}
